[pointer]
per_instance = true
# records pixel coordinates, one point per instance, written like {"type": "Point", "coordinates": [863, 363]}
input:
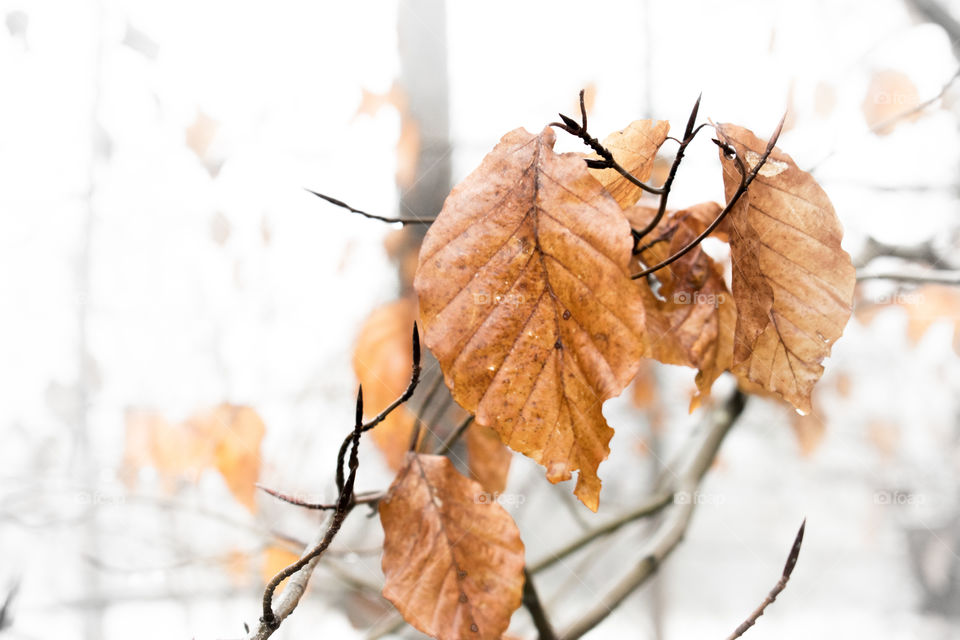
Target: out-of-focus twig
{"type": "Point", "coordinates": [671, 529]}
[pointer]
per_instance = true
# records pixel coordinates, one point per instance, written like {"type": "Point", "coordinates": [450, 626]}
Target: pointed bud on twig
{"type": "Point", "coordinates": [570, 122]}
{"type": "Point", "coordinates": [359, 420]}
{"type": "Point", "coordinates": [692, 120]}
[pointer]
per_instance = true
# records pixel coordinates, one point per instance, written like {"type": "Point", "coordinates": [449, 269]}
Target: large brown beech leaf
{"type": "Point", "coordinates": [526, 301]}
{"type": "Point", "coordinates": [792, 282]}
{"type": "Point", "coordinates": [452, 558]}
{"type": "Point", "coordinates": [690, 313]}
{"type": "Point", "coordinates": [635, 149]}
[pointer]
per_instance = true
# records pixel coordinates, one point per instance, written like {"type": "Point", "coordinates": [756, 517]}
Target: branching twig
{"type": "Point", "coordinates": [371, 497]}
{"type": "Point", "coordinates": [650, 507]}
{"type": "Point", "coordinates": [406, 395]}
{"type": "Point", "coordinates": [745, 180]}
{"type": "Point", "coordinates": [372, 216]}
{"type": "Point", "coordinates": [689, 133]}
{"type": "Point", "coordinates": [300, 571]}
{"type": "Point", "coordinates": [777, 588]}
{"type": "Point", "coordinates": [271, 619]}
{"type": "Point", "coordinates": [579, 129]}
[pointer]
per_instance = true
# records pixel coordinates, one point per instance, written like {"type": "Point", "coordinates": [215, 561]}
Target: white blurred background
{"type": "Point", "coordinates": [159, 255]}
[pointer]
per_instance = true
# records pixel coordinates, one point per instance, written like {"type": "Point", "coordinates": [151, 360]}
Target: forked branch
{"type": "Point", "coordinates": [300, 571]}
{"type": "Point", "coordinates": [746, 178]}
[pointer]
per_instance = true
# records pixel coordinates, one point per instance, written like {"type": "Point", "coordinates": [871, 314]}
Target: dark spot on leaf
{"type": "Point", "coordinates": [566, 314]}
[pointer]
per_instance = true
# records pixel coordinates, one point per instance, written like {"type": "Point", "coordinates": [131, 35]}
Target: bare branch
{"type": "Point", "coordinates": [579, 129]}
{"type": "Point", "coordinates": [453, 437]}
{"type": "Point", "coordinates": [300, 571]}
{"type": "Point", "coordinates": [745, 180]}
{"type": "Point", "coordinates": [688, 135]}
{"type": "Point", "coordinates": [372, 216]}
{"type": "Point", "coordinates": [921, 277]}
{"type": "Point", "coordinates": [650, 507]}
{"type": "Point", "coordinates": [671, 530]}
{"type": "Point", "coordinates": [531, 600]}
{"type": "Point", "coordinates": [777, 588]}
{"type": "Point", "coordinates": [403, 397]}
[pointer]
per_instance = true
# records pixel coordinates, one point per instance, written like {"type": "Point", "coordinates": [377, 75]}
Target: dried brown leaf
{"type": "Point", "coordinates": [691, 315]}
{"type": "Point", "coordinates": [381, 362]}
{"type": "Point", "coordinates": [635, 149]}
{"type": "Point", "coordinates": [890, 93]}
{"type": "Point", "coordinates": [487, 457]}
{"type": "Point", "coordinates": [809, 430]}
{"type": "Point", "coordinates": [453, 560]}
{"type": "Point", "coordinates": [526, 301]}
{"type": "Point", "coordinates": [792, 282]}
{"type": "Point", "coordinates": [238, 432]}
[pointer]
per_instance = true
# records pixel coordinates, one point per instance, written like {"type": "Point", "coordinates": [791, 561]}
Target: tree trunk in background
{"type": "Point", "coordinates": [422, 27]}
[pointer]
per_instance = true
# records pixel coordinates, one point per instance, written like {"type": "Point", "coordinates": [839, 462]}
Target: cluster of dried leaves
{"type": "Point", "coordinates": [528, 297]}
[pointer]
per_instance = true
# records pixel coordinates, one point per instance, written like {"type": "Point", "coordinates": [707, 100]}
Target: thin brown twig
{"type": "Point", "coordinates": [777, 588]}
{"type": "Point", "coordinates": [380, 417]}
{"type": "Point", "coordinates": [607, 161]}
{"type": "Point", "coordinates": [531, 600]}
{"type": "Point", "coordinates": [370, 497]}
{"type": "Point", "coordinates": [689, 133]}
{"type": "Point", "coordinates": [271, 619]}
{"type": "Point", "coordinates": [745, 180]}
{"type": "Point", "coordinates": [649, 507]}
{"type": "Point", "coordinates": [454, 436]}
{"type": "Point", "coordinates": [372, 216]}
{"type": "Point", "coordinates": [418, 421]}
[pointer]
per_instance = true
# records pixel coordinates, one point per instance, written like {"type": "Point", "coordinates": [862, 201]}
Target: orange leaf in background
{"type": "Point", "coordinates": [226, 438]}
{"type": "Point", "coordinates": [408, 143]}
{"type": "Point", "coordinates": [792, 282]}
{"type": "Point", "coordinates": [890, 93]}
{"type": "Point", "coordinates": [691, 316]}
{"type": "Point", "coordinates": [810, 431]}
{"type": "Point", "coordinates": [644, 389]}
{"type": "Point", "coordinates": [488, 459]}
{"type": "Point", "coordinates": [884, 435]}
{"type": "Point", "coordinates": [526, 301]}
{"type": "Point", "coordinates": [453, 560]}
{"type": "Point", "coordinates": [235, 433]}
{"type": "Point", "coordinates": [177, 451]}
{"type": "Point", "coordinates": [275, 560]}
{"type": "Point", "coordinates": [237, 455]}
{"type": "Point", "coordinates": [201, 133]}
{"type": "Point", "coordinates": [924, 306]}
{"type": "Point", "coordinates": [381, 362]}
{"type": "Point", "coordinates": [635, 149]}
{"type": "Point", "coordinates": [929, 304]}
